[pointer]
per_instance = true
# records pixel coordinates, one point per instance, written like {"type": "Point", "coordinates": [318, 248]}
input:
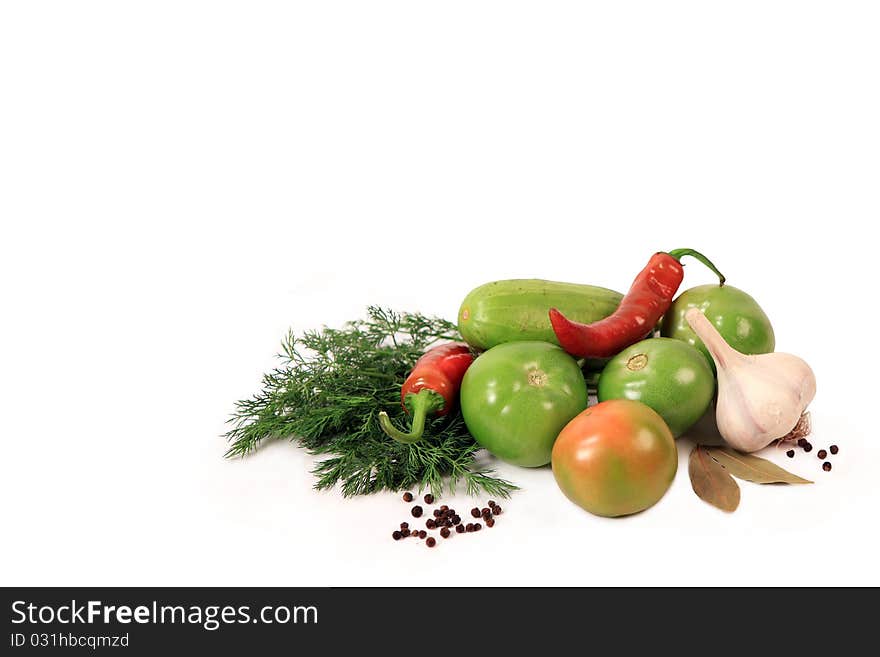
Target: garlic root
{"type": "Point", "coordinates": [801, 430]}
{"type": "Point", "coordinates": [762, 397]}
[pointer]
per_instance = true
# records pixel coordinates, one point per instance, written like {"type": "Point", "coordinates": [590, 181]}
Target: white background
{"type": "Point", "coordinates": [180, 182]}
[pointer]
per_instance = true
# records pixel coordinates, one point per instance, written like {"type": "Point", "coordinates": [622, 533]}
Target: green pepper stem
{"type": "Point", "coordinates": [419, 404]}
{"type": "Point", "coordinates": [679, 253]}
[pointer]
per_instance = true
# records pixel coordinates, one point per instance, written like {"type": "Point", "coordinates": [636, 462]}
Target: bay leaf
{"type": "Point", "coordinates": [711, 482]}
{"type": "Point", "coordinates": [753, 468]}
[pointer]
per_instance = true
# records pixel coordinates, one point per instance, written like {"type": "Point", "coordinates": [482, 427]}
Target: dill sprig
{"type": "Point", "coordinates": [327, 394]}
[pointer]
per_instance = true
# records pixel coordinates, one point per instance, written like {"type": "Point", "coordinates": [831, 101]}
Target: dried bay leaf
{"type": "Point", "coordinates": [753, 468]}
{"type": "Point", "coordinates": [711, 482]}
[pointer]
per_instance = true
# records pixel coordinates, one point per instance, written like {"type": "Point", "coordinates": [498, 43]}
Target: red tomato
{"type": "Point", "coordinates": [615, 458]}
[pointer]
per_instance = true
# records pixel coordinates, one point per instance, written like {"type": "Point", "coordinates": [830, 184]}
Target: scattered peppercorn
{"type": "Point", "coordinates": [790, 453]}
{"type": "Point", "coordinates": [801, 442]}
{"type": "Point", "coordinates": [834, 449]}
{"type": "Point", "coordinates": [826, 466]}
{"type": "Point", "coordinates": [446, 519]}
{"type": "Point", "coordinates": [808, 447]}
{"type": "Point", "coordinates": [821, 454]}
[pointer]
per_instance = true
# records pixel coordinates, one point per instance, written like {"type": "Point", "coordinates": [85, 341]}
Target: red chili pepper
{"type": "Point", "coordinates": [431, 387]}
{"type": "Point", "coordinates": [647, 300]}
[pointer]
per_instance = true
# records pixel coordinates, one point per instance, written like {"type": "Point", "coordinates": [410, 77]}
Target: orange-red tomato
{"type": "Point", "coordinates": [615, 458]}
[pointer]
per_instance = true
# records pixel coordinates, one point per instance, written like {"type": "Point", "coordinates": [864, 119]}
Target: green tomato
{"type": "Point", "coordinates": [668, 375]}
{"type": "Point", "coordinates": [517, 396]}
{"type": "Point", "coordinates": [737, 316]}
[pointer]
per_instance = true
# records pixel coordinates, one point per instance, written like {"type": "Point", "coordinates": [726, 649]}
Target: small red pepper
{"type": "Point", "coordinates": [431, 387]}
{"type": "Point", "coordinates": [647, 300]}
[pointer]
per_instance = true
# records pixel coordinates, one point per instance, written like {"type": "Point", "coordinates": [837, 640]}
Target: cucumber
{"type": "Point", "coordinates": [513, 310]}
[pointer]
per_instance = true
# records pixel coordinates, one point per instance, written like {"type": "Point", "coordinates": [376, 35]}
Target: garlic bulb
{"type": "Point", "coordinates": [760, 397]}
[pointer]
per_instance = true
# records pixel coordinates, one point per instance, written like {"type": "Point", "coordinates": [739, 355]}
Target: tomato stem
{"type": "Point", "coordinates": [419, 404]}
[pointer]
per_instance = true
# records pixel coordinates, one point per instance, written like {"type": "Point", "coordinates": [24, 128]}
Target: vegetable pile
{"type": "Point", "coordinates": [400, 400]}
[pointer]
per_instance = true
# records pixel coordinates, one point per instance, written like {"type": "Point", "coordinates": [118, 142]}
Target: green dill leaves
{"type": "Point", "coordinates": [326, 396]}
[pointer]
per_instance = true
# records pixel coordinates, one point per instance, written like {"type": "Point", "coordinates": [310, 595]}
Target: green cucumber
{"type": "Point", "coordinates": [514, 310]}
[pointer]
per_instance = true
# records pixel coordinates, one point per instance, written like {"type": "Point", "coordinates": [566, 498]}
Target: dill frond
{"type": "Point", "coordinates": [326, 395]}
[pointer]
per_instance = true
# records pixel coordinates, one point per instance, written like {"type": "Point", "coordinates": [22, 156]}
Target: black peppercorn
{"type": "Point", "coordinates": [445, 532]}
{"type": "Point", "coordinates": [404, 533]}
{"type": "Point", "coordinates": [485, 512]}
{"type": "Point", "coordinates": [834, 449]}
{"type": "Point", "coordinates": [444, 508]}
{"type": "Point", "coordinates": [477, 526]}
{"type": "Point", "coordinates": [826, 466]}
{"type": "Point", "coordinates": [422, 534]}
{"type": "Point", "coordinates": [436, 513]}
{"type": "Point", "coordinates": [821, 454]}
{"type": "Point", "coordinates": [396, 536]}
{"type": "Point", "coordinates": [790, 453]}
{"type": "Point", "coordinates": [475, 512]}
{"type": "Point", "coordinates": [431, 542]}
{"type": "Point", "coordinates": [429, 499]}
{"type": "Point", "coordinates": [497, 510]}
{"type": "Point", "coordinates": [491, 503]}
{"type": "Point", "coordinates": [469, 527]}
{"type": "Point", "coordinates": [404, 525]}
{"type": "Point", "coordinates": [801, 442]}
{"type": "Point", "coordinates": [490, 522]}
{"type": "Point", "coordinates": [430, 524]}
{"type": "Point", "coordinates": [416, 512]}
{"type": "Point", "coordinates": [808, 447]}
{"type": "Point", "coordinates": [456, 520]}
{"type": "Point", "coordinates": [459, 529]}
{"type": "Point", "coordinates": [407, 497]}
